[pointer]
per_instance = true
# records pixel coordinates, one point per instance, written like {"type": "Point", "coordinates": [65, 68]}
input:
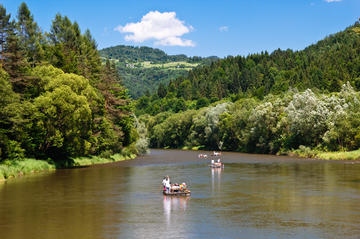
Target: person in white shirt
{"type": "Point", "coordinates": [164, 183]}
{"type": "Point", "coordinates": [167, 185]}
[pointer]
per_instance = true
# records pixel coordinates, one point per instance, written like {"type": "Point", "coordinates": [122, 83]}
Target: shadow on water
{"type": "Point", "coordinates": [66, 163]}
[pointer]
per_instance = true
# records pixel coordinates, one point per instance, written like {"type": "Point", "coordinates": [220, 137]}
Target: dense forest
{"type": "Point", "coordinates": [325, 66]}
{"type": "Point", "coordinates": [266, 103]}
{"type": "Point", "coordinates": [137, 54]}
{"type": "Point", "coordinates": [143, 69]}
{"type": "Point", "coordinates": [57, 99]}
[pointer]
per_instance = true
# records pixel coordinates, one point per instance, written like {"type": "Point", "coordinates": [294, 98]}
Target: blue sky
{"type": "Point", "coordinates": [201, 27]}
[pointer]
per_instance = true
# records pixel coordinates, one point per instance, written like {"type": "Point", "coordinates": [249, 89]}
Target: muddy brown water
{"type": "Point", "coordinates": [254, 196]}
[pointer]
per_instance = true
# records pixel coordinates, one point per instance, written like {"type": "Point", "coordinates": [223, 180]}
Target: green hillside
{"type": "Point", "coordinates": [304, 102]}
{"type": "Point", "coordinates": [325, 65]}
{"type": "Point", "coordinates": [144, 68]}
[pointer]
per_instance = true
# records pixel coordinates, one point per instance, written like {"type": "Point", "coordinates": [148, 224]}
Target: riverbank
{"type": "Point", "coordinates": [305, 152]}
{"type": "Point", "coordinates": [13, 169]}
{"type": "Point", "coordinates": [17, 168]}
{"type": "Point", "coordinates": [350, 155]}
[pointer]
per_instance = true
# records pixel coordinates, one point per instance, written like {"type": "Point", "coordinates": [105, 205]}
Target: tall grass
{"type": "Point", "coordinates": [83, 161]}
{"type": "Point", "coordinates": [306, 152]}
{"type": "Point", "coordinates": [350, 155]}
{"type": "Point", "coordinates": [16, 168]}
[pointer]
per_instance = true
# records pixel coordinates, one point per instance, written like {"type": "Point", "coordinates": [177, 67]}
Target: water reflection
{"type": "Point", "coordinates": [216, 179]}
{"type": "Point", "coordinates": [174, 205]}
{"type": "Point", "coordinates": [256, 196]}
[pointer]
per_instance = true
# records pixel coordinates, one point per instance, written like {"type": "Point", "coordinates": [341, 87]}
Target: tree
{"type": "Point", "coordinates": [161, 91]}
{"type": "Point", "coordinates": [306, 118]}
{"type": "Point", "coordinates": [5, 27]}
{"type": "Point", "coordinates": [11, 120]}
{"type": "Point", "coordinates": [118, 105]}
{"type": "Point", "coordinates": [64, 38]}
{"type": "Point", "coordinates": [63, 119]}
{"type": "Point", "coordinates": [202, 102]}
{"type": "Point", "coordinates": [73, 52]}
{"type": "Point", "coordinates": [14, 60]}
{"type": "Point", "coordinates": [31, 39]}
{"type": "Point", "coordinates": [185, 89]}
{"type": "Point", "coordinates": [89, 60]}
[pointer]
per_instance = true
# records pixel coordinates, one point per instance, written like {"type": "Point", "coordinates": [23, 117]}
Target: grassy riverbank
{"type": "Point", "coordinates": [350, 155]}
{"type": "Point", "coordinates": [11, 169]}
{"type": "Point", "coordinates": [16, 168]}
{"type": "Point", "coordinates": [306, 152]}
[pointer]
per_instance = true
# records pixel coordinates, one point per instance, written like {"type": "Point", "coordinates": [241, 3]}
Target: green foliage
{"type": "Point", "coordinates": [64, 115]}
{"type": "Point", "coordinates": [202, 102]}
{"type": "Point", "coordinates": [269, 114]}
{"type": "Point", "coordinates": [325, 65]}
{"type": "Point", "coordinates": [154, 105]}
{"type": "Point", "coordinates": [72, 51]}
{"type": "Point", "coordinates": [31, 39]}
{"type": "Point", "coordinates": [140, 54]}
{"type": "Point", "coordinates": [173, 131]}
{"type": "Point", "coordinates": [204, 129]}
{"type": "Point", "coordinates": [5, 31]}
{"type": "Point", "coordinates": [16, 168]}
{"type": "Point", "coordinates": [142, 144]}
{"type": "Point", "coordinates": [9, 120]}
{"type": "Point", "coordinates": [299, 122]}
{"type": "Point", "coordinates": [12, 54]}
{"type": "Point", "coordinates": [57, 100]}
{"type": "Point", "coordinates": [145, 69]}
{"type": "Point", "coordinates": [351, 155]}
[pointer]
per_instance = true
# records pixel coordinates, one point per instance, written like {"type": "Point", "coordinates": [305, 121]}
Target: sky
{"type": "Point", "coordinates": [201, 27]}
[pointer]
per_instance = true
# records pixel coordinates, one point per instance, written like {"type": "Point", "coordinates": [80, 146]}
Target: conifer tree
{"type": "Point", "coordinates": [117, 103]}
{"type": "Point", "coordinates": [64, 44]}
{"type": "Point", "coordinates": [72, 51]}
{"type": "Point", "coordinates": [161, 91]}
{"type": "Point", "coordinates": [30, 36]}
{"type": "Point", "coordinates": [89, 59]}
{"type": "Point", "coordinates": [14, 62]}
{"type": "Point", "coordinates": [4, 30]}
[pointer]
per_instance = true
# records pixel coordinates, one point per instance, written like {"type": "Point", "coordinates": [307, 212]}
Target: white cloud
{"type": "Point", "coordinates": [164, 28]}
{"type": "Point", "coordinates": [333, 0]}
{"type": "Point", "coordinates": [223, 28]}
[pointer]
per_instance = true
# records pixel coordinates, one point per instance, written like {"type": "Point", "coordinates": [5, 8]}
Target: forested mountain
{"type": "Point", "coordinates": [139, 54]}
{"type": "Point", "coordinates": [57, 100]}
{"type": "Point", "coordinates": [325, 65]}
{"type": "Point", "coordinates": [288, 100]}
{"type": "Point", "coordinates": [143, 69]}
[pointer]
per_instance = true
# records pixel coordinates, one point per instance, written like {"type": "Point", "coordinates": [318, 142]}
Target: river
{"type": "Point", "coordinates": [254, 196]}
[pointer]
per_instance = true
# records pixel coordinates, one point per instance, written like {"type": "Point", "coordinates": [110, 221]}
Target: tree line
{"type": "Point", "coordinates": [139, 54]}
{"type": "Point", "coordinates": [324, 66]}
{"type": "Point", "coordinates": [57, 100]}
{"type": "Point", "coordinates": [303, 120]}
{"type": "Point", "coordinates": [264, 103]}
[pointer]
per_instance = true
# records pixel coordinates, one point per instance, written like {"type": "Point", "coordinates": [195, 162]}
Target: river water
{"type": "Point", "coordinates": [254, 196]}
